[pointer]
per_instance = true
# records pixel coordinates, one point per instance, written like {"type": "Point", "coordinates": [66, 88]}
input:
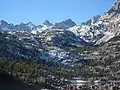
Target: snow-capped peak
{"type": "Point", "coordinates": [45, 27]}
{"type": "Point", "coordinates": [31, 25]}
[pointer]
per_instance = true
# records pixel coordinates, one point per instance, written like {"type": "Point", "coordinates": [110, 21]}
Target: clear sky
{"type": "Point", "coordinates": [17, 11]}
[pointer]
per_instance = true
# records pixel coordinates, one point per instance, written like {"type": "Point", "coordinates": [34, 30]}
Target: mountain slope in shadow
{"type": "Point", "coordinates": [9, 82]}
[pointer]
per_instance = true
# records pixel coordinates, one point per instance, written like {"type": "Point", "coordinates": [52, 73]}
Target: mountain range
{"type": "Point", "coordinates": [89, 49]}
{"type": "Point", "coordinates": [30, 26]}
{"type": "Point", "coordinates": [62, 35]}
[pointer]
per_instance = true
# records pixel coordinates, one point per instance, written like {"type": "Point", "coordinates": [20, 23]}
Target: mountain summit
{"type": "Point", "coordinates": [112, 18]}
{"type": "Point", "coordinates": [114, 12]}
{"type": "Point", "coordinates": [116, 6]}
{"type": "Point", "coordinates": [65, 24]}
{"type": "Point", "coordinates": [47, 23]}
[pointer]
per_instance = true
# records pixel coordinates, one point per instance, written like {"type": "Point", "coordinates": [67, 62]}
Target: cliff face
{"type": "Point", "coordinates": [116, 6]}
{"type": "Point", "coordinates": [113, 13]}
{"type": "Point", "coordinates": [112, 18]}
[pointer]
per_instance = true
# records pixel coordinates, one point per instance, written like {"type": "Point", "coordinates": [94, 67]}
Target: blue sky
{"type": "Point", "coordinates": [17, 11]}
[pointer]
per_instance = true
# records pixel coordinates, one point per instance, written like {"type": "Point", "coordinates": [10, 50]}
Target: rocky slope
{"type": "Point", "coordinates": [105, 60]}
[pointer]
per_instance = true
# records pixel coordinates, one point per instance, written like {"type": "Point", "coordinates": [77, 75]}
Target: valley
{"type": "Point", "coordinates": [63, 55]}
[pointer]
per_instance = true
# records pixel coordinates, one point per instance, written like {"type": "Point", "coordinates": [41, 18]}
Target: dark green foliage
{"type": "Point", "coordinates": [27, 71]}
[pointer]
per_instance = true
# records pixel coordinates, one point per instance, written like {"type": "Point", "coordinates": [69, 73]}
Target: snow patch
{"type": "Point", "coordinates": [107, 37]}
